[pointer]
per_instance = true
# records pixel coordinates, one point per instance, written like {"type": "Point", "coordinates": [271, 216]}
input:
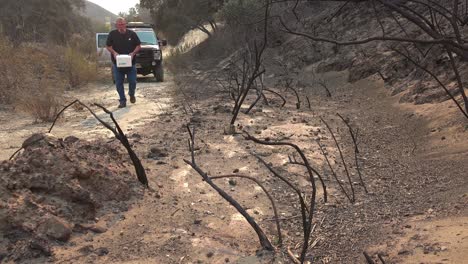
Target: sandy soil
{"type": "Point", "coordinates": [413, 158]}
{"type": "Point", "coordinates": [16, 127]}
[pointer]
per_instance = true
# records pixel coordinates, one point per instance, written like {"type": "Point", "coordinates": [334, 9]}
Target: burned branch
{"type": "Point", "coordinates": [369, 260]}
{"type": "Point", "coordinates": [277, 94]}
{"type": "Point", "coordinates": [307, 214]}
{"type": "Point", "coordinates": [118, 133]}
{"type": "Point", "coordinates": [298, 102]}
{"type": "Point", "coordinates": [306, 164]}
{"type": "Point", "coordinates": [333, 172]}
{"type": "Point", "coordinates": [356, 151]}
{"type": "Point", "coordinates": [251, 65]}
{"type": "Point", "coordinates": [264, 242]}
{"type": "Point", "coordinates": [441, 24]}
{"type": "Point", "coordinates": [342, 160]}
{"type": "Point", "coordinates": [307, 221]}
{"type": "Point", "coordinates": [275, 212]}
{"type": "Point", "coordinates": [437, 79]}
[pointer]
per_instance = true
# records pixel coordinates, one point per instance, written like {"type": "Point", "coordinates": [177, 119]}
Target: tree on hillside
{"type": "Point", "coordinates": [136, 13]}
{"type": "Point", "coordinates": [177, 17]}
{"type": "Point", "coordinates": [131, 15]}
{"type": "Point", "coordinates": [46, 20]}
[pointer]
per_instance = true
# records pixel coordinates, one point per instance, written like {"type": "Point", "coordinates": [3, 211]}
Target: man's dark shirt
{"type": "Point", "coordinates": [123, 43]}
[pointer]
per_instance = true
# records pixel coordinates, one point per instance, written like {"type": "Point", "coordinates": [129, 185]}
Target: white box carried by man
{"type": "Point", "coordinates": [123, 60]}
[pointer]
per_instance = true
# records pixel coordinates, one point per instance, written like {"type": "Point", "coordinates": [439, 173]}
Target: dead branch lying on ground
{"type": "Point", "coordinates": [275, 212]}
{"type": "Point", "coordinates": [264, 241]}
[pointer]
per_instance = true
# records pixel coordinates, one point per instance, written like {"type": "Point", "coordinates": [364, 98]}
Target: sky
{"type": "Point", "coordinates": [116, 6]}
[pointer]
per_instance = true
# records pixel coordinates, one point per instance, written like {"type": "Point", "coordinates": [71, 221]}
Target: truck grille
{"type": "Point", "coordinates": [145, 55]}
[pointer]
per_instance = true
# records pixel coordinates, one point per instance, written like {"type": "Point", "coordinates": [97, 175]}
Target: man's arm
{"type": "Point", "coordinates": [109, 42]}
{"type": "Point", "coordinates": [112, 51]}
{"type": "Point", "coordinates": [135, 51]}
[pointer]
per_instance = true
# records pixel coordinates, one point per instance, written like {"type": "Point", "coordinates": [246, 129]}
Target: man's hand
{"type": "Point", "coordinates": [115, 54]}
{"type": "Point", "coordinates": [132, 54]}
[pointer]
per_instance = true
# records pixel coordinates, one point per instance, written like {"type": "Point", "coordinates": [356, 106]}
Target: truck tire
{"type": "Point", "coordinates": [158, 72]}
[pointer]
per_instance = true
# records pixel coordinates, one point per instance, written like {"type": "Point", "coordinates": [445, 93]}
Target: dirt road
{"type": "Point", "coordinates": [416, 210]}
{"type": "Point", "coordinates": [152, 100]}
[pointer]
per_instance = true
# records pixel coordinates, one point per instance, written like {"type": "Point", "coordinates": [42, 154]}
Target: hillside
{"type": "Point", "coordinates": [97, 13]}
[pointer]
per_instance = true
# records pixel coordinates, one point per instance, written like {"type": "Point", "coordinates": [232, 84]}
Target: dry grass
{"type": "Point", "coordinates": [178, 58]}
{"type": "Point", "coordinates": [78, 69]}
{"type": "Point", "coordinates": [35, 76]}
{"type": "Point", "coordinates": [43, 106]}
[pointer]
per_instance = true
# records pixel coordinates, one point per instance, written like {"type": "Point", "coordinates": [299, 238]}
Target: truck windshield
{"type": "Point", "coordinates": [147, 37]}
{"type": "Point", "coordinates": [101, 39]}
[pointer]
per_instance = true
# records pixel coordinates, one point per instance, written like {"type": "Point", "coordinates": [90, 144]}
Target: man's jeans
{"type": "Point", "coordinates": [119, 75]}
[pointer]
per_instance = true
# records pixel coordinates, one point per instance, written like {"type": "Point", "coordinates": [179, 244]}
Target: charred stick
{"type": "Point", "coordinates": [308, 227]}
{"type": "Point", "coordinates": [305, 213]}
{"type": "Point", "coordinates": [277, 94]}
{"type": "Point", "coordinates": [437, 79]}
{"type": "Point", "coordinates": [309, 168]}
{"type": "Point", "coordinates": [459, 80]}
{"type": "Point", "coordinates": [59, 113]}
{"type": "Point", "coordinates": [259, 96]}
{"type": "Point", "coordinates": [333, 172]}
{"type": "Point", "coordinates": [264, 242]}
{"type": "Point", "coordinates": [140, 171]}
{"type": "Point", "coordinates": [381, 258]}
{"type": "Point", "coordinates": [342, 158]}
{"type": "Point", "coordinates": [356, 151]}
{"type": "Point", "coordinates": [326, 89]}
{"type": "Point", "coordinates": [304, 209]}
{"type": "Point", "coordinates": [275, 212]}
{"type": "Point", "coordinates": [265, 99]}
{"type": "Point", "coordinates": [368, 258]}
{"type": "Point", "coordinates": [298, 104]}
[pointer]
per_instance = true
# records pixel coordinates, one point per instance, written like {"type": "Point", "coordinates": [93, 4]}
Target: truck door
{"type": "Point", "coordinates": [103, 55]}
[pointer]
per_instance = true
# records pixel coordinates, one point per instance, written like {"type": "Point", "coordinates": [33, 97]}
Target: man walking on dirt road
{"type": "Point", "coordinates": [123, 41]}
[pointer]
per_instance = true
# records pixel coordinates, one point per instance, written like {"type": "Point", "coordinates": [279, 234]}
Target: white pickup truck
{"type": "Point", "coordinates": [103, 55]}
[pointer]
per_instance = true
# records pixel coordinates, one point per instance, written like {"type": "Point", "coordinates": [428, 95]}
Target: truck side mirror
{"type": "Point", "coordinates": [163, 42]}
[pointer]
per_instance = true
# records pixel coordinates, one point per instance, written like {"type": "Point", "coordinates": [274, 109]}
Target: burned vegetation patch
{"type": "Point", "coordinates": [56, 187]}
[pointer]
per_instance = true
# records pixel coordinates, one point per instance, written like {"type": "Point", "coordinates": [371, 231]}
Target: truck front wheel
{"type": "Point", "coordinates": [158, 72]}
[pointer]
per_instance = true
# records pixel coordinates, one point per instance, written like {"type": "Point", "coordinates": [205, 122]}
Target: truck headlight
{"type": "Point", "coordinates": [157, 54]}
